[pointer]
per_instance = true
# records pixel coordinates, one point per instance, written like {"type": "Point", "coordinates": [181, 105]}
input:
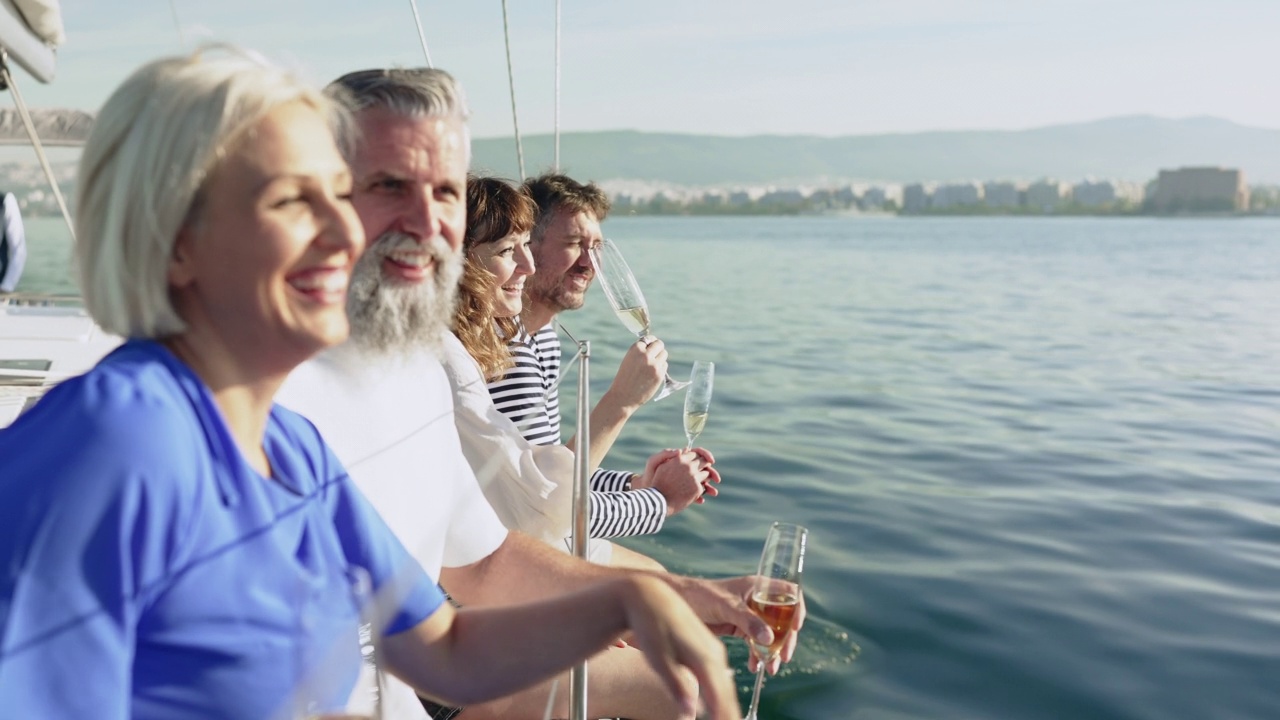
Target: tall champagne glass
{"type": "Point", "coordinates": [697, 401]}
{"type": "Point", "coordinates": [776, 594]}
{"type": "Point", "coordinates": [365, 700]}
{"type": "Point", "coordinates": [628, 303]}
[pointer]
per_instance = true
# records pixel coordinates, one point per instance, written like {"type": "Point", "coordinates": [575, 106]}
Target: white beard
{"type": "Point", "coordinates": [388, 318]}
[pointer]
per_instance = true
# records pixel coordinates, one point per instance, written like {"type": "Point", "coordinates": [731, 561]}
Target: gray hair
{"type": "Point", "coordinates": [154, 143]}
{"type": "Point", "coordinates": [409, 92]}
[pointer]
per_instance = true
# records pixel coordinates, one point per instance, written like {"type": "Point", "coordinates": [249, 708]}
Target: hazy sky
{"type": "Point", "coordinates": [740, 67]}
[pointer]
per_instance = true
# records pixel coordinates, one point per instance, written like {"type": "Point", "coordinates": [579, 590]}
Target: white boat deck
{"type": "Point", "coordinates": [43, 340]}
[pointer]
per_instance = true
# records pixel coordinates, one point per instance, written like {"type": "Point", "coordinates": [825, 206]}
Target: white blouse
{"type": "Point", "coordinates": [530, 486]}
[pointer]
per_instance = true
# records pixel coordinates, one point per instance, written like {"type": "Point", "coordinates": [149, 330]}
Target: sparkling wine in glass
{"type": "Point", "coordinates": [697, 400]}
{"type": "Point", "coordinates": [364, 702]}
{"type": "Point", "coordinates": [776, 594]}
{"type": "Point", "coordinates": [625, 297]}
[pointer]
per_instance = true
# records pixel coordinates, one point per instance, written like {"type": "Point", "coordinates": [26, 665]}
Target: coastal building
{"type": "Point", "coordinates": [1092, 193]}
{"type": "Point", "coordinates": [957, 195]}
{"type": "Point", "coordinates": [742, 198]}
{"type": "Point", "coordinates": [846, 196]}
{"type": "Point", "coordinates": [785, 197]}
{"type": "Point", "coordinates": [1047, 195]}
{"type": "Point", "coordinates": [873, 198]}
{"type": "Point", "coordinates": [714, 198]}
{"type": "Point", "coordinates": [998, 194]}
{"type": "Point", "coordinates": [1200, 189]}
{"type": "Point", "coordinates": [917, 197]}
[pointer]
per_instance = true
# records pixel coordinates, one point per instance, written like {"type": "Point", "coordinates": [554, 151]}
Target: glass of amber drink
{"type": "Point", "coordinates": [776, 594]}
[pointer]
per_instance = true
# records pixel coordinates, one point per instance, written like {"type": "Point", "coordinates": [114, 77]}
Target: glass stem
{"type": "Point", "coordinates": [755, 694]}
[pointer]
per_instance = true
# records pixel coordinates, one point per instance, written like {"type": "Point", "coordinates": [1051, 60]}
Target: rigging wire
{"type": "Point", "coordinates": [7, 78]}
{"type": "Point", "coordinates": [422, 38]}
{"type": "Point", "coordinates": [177, 25]}
{"type": "Point", "coordinates": [511, 80]}
{"type": "Point", "coordinates": [565, 370]}
{"type": "Point", "coordinates": [555, 165]}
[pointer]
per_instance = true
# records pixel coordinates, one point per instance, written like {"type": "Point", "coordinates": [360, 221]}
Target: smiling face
{"type": "Point", "coordinates": [411, 180]}
{"type": "Point", "coordinates": [264, 264]}
{"type": "Point", "coordinates": [564, 269]}
{"type": "Point", "coordinates": [510, 261]}
{"type": "Point", "coordinates": [410, 193]}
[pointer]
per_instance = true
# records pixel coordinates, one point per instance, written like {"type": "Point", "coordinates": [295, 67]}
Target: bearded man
{"type": "Point", "coordinates": [384, 404]}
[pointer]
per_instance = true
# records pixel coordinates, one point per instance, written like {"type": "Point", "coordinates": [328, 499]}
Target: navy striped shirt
{"type": "Point", "coordinates": [527, 395]}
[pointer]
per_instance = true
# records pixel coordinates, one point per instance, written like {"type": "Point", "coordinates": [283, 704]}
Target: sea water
{"type": "Point", "coordinates": [1038, 457]}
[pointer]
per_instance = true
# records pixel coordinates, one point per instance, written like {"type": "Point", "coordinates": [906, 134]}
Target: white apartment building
{"type": "Point", "coordinates": [1047, 194]}
{"type": "Point", "coordinates": [1092, 193]}
{"type": "Point", "coordinates": [917, 197]}
{"type": "Point", "coordinates": [957, 195]}
{"type": "Point", "coordinates": [999, 194]}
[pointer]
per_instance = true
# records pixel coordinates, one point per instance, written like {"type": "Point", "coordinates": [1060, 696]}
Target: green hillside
{"type": "Point", "coordinates": [1125, 148]}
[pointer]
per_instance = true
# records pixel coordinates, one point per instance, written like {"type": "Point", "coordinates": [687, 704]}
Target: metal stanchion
{"type": "Point", "coordinates": [581, 507]}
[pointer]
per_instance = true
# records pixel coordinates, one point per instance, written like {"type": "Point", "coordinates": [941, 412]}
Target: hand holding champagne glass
{"type": "Point", "coordinates": [776, 594]}
{"type": "Point", "coordinates": [625, 297]}
{"type": "Point", "coordinates": [697, 401]}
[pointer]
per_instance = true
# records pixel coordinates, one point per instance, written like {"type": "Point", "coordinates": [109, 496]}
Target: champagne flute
{"type": "Point", "coordinates": [628, 303]}
{"type": "Point", "coordinates": [364, 702]}
{"type": "Point", "coordinates": [776, 594]}
{"type": "Point", "coordinates": [697, 401]}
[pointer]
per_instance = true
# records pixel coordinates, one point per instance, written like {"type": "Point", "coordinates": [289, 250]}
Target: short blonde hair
{"type": "Point", "coordinates": [154, 143]}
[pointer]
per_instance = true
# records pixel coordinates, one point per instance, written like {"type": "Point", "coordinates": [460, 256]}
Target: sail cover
{"type": "Point", "coordinates": [29, 31]}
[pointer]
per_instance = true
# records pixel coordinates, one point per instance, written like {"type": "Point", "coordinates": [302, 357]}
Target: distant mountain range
{"type": "Point", "coordinates": [1123, 148]}
{"type": "Point", "coordinates": [53, 127]}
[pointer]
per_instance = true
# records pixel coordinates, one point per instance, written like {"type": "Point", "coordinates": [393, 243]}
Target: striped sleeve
{"type": "Point", "coordinates": [610, 480]}
{"type": "Point", "coordinates": [621, 514]}
{"type": "Point", "coordinates": [529, 396]}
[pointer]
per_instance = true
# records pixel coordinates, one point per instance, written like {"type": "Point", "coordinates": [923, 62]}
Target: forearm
{"type": "Point", "coordinates": [621, 685]}
{"type": "Point", "coordinates": [606, 422]}
{"type": "Point", "coordinates": [522, 569]}
{"type": "Point", "coordinates": [485, 653]}
{"type": "Point", "coordinates": [625, 514]}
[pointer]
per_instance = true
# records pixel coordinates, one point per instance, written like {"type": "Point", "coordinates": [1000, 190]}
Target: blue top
{"type": "Point", "coordinates": [147, 571]}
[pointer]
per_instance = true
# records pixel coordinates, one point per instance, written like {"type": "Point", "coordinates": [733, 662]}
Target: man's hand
{"type": "Point", "coordinates": [675, 643]}
{"type": "Point", "coordinates": [681, 477]}
{"type": "Point", "coordinates": [639, 376]}
{"type": "Point", "coordinates": [722, 605]}
{"type": "Point", "coordinates": [788, 646]}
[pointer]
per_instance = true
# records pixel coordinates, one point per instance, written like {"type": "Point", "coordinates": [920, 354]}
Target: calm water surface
{"type": "Point", "coordinates": [1037, 457]}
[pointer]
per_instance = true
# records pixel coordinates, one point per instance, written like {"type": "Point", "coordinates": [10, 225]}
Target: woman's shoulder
{"type": "Point", "coordinates": [295, 428]}
{"type": "Point", "coordinates": [298, 450]}
{"type": "Point", "coordinates": [121, 426]}
{"type": "Point", "coordinates": [133, 392]}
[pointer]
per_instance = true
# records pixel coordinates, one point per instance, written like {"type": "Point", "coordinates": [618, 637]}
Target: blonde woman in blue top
{"type": "Point", "coordinates": [173, 544]}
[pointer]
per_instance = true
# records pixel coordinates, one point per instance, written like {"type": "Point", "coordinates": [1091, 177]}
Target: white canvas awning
{"type": "Point", "coordinates": [32, 50]}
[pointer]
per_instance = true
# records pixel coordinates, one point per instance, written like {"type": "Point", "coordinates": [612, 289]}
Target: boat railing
{"type": "Point", "coordinates": [40, 303]}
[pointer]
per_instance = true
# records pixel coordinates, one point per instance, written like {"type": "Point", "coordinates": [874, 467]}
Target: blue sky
{"type": "Point", "coordinates": [742, 67]}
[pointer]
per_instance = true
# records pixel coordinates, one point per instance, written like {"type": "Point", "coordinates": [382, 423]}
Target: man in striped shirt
{"type": "Point", "coordinates": [622, 503]}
